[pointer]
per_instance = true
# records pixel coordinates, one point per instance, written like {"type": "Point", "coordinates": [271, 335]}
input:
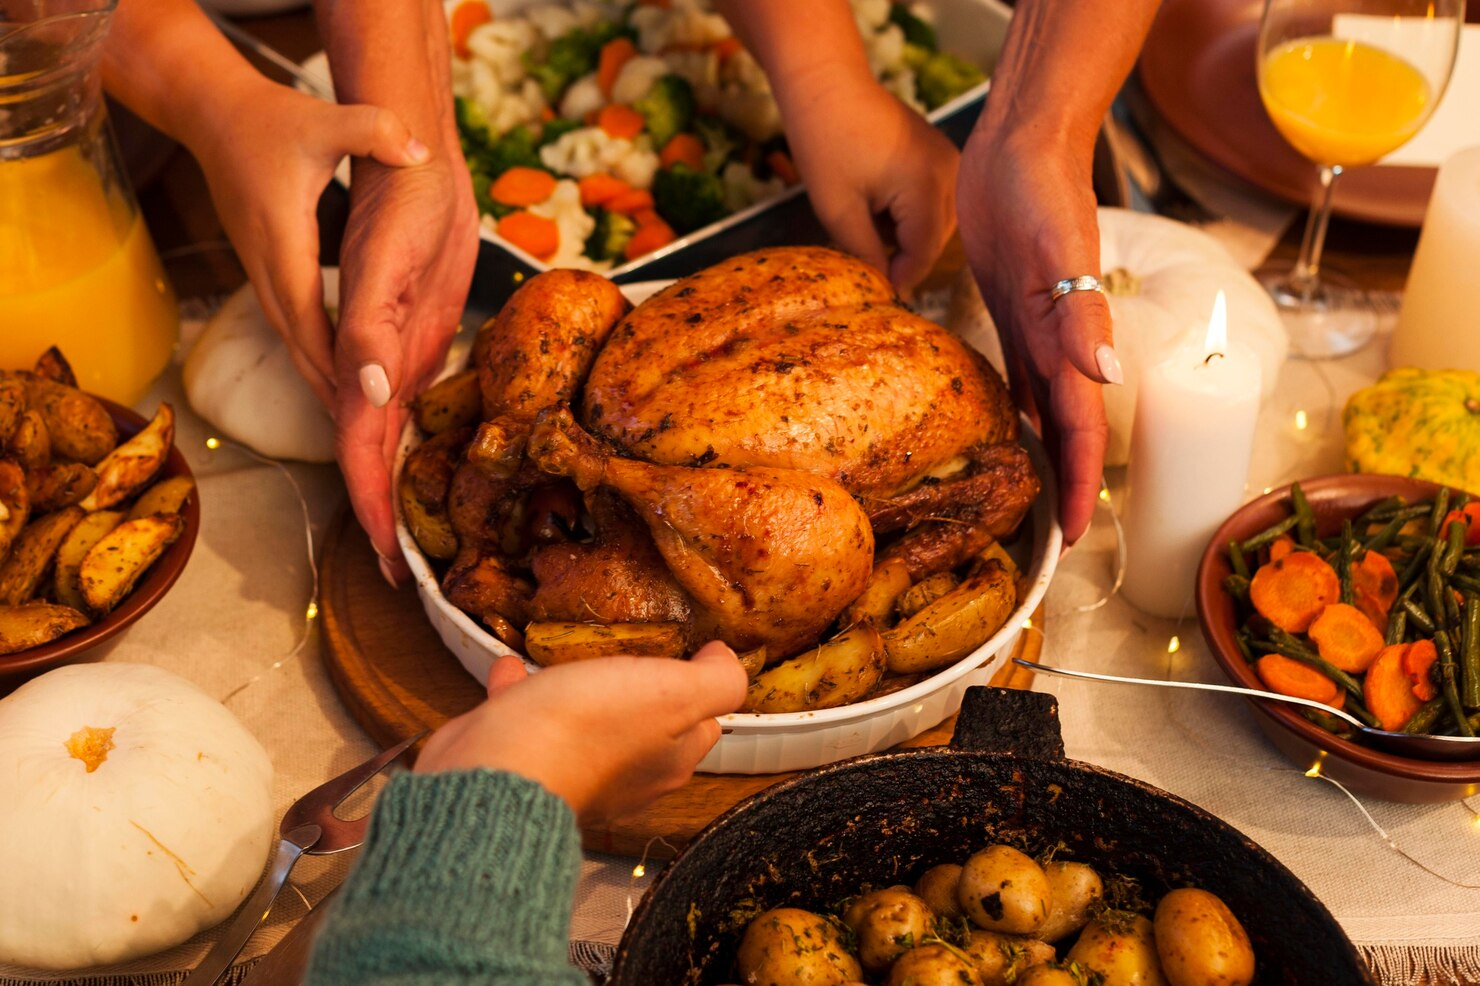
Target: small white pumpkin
{"type": "Point", "coordinates": [240, 377]}
{"type": "Point", "coordinates": [137, 811]}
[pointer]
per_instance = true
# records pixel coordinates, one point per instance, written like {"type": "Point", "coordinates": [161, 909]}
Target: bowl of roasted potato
{"type": "Point", "coordinates": [98, 516]}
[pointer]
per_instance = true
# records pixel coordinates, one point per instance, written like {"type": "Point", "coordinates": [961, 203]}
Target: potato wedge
{"type": "Point", "coordinates": [451, 403]}
{"type": "Point", "coordinates": [841, 670]}
{"type": "Point", "coordinates": [955, 624]}
{"type": "Point", "coordinates": [12, 406]}
{"type": "Point", "coordinates": [112, 566]}
{"type": "Point", "coordinates": [52, 365]}
{"type": "Point", "coordinates": [995, 552]}
{"type": "Point", "coordinates": [430, 526]}
{"type": "Point", "coordinates": [15, 504]}
{"type": "Point", "coordinates": [548, 644]}
{"type": "Point", "coordinates": [168, 496]}
{"type": "Point", "coordinates": [78, 542]}
{"type": "Point", "coordinates": [753, 661]}
{"type": "Point", "coordinates": [80, 427]}
{"type": "Point", "coordinates": [132, 464]}
{"type": "Point", "coordinates": [58, 485]}
{"type": "Point", "coordinates": [34, 624]}
{"type": "Point", "coordinates": [925, 592]}
{"type": "Point", "coordinates": [31, 443]}
{"type": "Point", "coordinates": [876, 602]}
{"type": "Point", "coordinates": [32, 555]}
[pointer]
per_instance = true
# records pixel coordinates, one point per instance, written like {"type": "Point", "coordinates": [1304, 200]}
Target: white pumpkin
{"type": "Point", "coordinates": [240, 377]}
{"type": "Point", "coordinates": [136, 811]}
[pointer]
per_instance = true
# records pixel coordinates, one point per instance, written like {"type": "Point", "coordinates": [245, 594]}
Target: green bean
{"type": "Point", "coordinates": [1415, 565]}
{"type": "Point", "coordinates": [1344, 564]}
{"type": "Point", "coordinates": [1416, 614]}
{"type": "Point", "coordinates": [1470, 666]}
{"type": "Point", "coordinates": [1397, 627]}
{"type": "Point", "coordinates": [1267, 535]}
{"type": "Point", "coordinates": [1438, 511]}
{"type": "Point", "coordinates": [1425, 718]}
{"type": "Point", "coordinates": [1433, 587]}
{"type": "Point", "coordinates": [1305, 518]}
{"type": "Point", "coordinates": [1382, 510]}
{"type": "Point", "coordinates": [1236, 560]}
{"type": "Point", "coordinates": [1384, 537]}
{"type": "Point", "coordinates": [1448, 677]}
{"type": "Point", "coordinates": [1464, 583]}
{"type": "Point", "coordinates": [1454, 547]}
{"type": "Point", "coordinates": [1290, 647]}
{"type": "Point", "coordinates": [1237, 586]}
{"type": "Point", "coordinates": [1242, 640]}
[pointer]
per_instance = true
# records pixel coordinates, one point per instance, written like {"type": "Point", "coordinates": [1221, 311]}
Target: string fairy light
{"type": "Point", "coordinates": [1103, 500]}
{"type": "Point", "coordinates": [640, 870]}
{"type": "Point", "coordinates": [1174, 644]}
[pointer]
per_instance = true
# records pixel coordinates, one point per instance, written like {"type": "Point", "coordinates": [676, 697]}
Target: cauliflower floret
{"type": "Point", "coordinates": [742, 70]}
{"type": "Point", "coordinates": [501, 44]}
{"type": "Point", "coordinates": [870, 14]}
{"type": "Point", "coordinates": [653, 25]}
{"type": "Point", "coordinates": [583, 96]}
{"type": "Point", "coordinates": [589, 13]}
{"type": "Point", "coordinates": [885, 50]}
{"type": "Point", "coordinates": [575, 224]}
{"type": "Point", "coordinates": [550, 19]}
{"type": "Point", "coordinates": [637, 77]}
{"type": "Point", "coordinates": [700, 68]}
{"type": "Point", "coordinates": [754, 114]}
{"type": "Point", "coordinates": [590, 150]}
{"type": "Point", "coordinates": [902, 84]}
{"type": "Point", "coordinates": [743, 188]}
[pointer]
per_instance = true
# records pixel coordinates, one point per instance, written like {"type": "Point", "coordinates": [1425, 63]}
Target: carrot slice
{"type": "Point", "coordinates": [683, 149]}
{"type": "Point", "coordinates": [1374, 577]}
{"type": "Point", "coordinates": [1470, 517]}
{"type": "Point", "coordinates": [614, 54]}
{"type": "Point", "coordinates": [1388, 690]}
{"type": "Point", "coordinates": [781, 166]}
{"type": "Point", "coordinates": [521, 186]}
{"type": "Point", "coordinates": [1346, 637]}
{"type": "Point", "coordinates": [727, 48]}
{"type": "Point", "coordinates": [1280, 547]}
{"type": "Point", "coordinates": [631, 202]}
{"type": "Point", "coordinates": [1293, 591]}
{"type": "Point", "coordinates": [644, 217]}
{"type": "Point", "coordinates": [535, 235]}
{"type": "Point", "coordinates": [1290, 677]}
{"type": "Point", "coordinates": [649, 238]}
{"type": "Point", "coordinates": [466, 16]}
{"type": "Point", "coordinates": [620, 121]}
{"type": "Point", "coordinates": [601, 189]}
{"type": "Point", "coordinates": [1417, 660]}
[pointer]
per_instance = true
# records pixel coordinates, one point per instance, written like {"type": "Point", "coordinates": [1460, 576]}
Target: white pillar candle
{"type": "Point", "coordinates": [1437, 330]}
{"type": "Point", "coordinates": [1192, 436]}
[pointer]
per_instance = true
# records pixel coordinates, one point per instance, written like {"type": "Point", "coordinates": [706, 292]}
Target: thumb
{"type": "Point", "coordinates": [723, 681]}
{"type": "Point", "coordinates": [921, 231]}
{"type": "Point", "coordinates": [506, 672]}
{"type": "Point", "coordinates": [1081, 320]}
{"type": "Point", "coordinates": [368, 131]}
{"type": "Point", "coordinates": [851, 224]}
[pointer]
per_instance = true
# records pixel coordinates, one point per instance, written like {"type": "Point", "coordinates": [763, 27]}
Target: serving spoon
{"type": "Point", "coordinates": [1419, 746]}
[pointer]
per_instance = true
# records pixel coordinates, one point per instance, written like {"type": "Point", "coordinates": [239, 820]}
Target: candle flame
{"type": "Point", "coordinates": [1217, 339]}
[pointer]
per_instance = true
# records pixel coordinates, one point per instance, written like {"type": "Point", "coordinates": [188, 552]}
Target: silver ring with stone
{"type": "Point", "coordinates": [1084, 282]}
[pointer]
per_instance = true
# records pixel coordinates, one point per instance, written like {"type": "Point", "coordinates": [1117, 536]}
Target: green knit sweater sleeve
{"type": "Point", "coordinates": [466, 876]}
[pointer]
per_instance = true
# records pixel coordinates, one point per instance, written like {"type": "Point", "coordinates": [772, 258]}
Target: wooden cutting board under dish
{"type": "Point", "coordinates": [397, 679]}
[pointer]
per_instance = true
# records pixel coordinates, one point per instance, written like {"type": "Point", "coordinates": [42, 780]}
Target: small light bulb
{"type": "Point", "coordinates": [1475, 821]}
{"type": "Point", "coordinates": [313, 610]}
{"type": "Point", "coordinates": [1301, 421]}
{"type": "Point", "coordinates": [1269, 489]}
{"type": "Point", "coordinates": [1104, 495]}
{"type": "Point", "coordinates": [213, 443]}
{"type": "Point", "coordinates": [1315, 768]}
{"type": "Point", "coordinates": [1174, 645]}
{"type": "Point", "coordinates": [639, 871]}
{"type": "Point", "coordinates": [518, 277]}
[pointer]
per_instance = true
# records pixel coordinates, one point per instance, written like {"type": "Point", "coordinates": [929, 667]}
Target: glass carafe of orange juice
{"type": "Point", "coordinates": [77, 267]}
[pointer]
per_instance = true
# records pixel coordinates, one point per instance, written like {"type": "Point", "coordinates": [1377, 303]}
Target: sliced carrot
{"type": "Point", "coordinates": [683, 149]}
{"type": "Point", "coordinates": [1417, 660]}
{"type": "Point", "coordinates": [1346, 637]}
{"type": "Point", "coordinates": [535, 235]}
{"type": "Point", "coordinates": [1373, 611]}
{"type": "Point", "coordinates": [780, 164]}
{"type": "Point", "coordinates": [631, 202]}
{"type": "Point", "coordinates": [521, 186]}
{"type": "Point", "coordinates": [1293, 591]}
{"type": "Point", "coordinates": [466, 16]}
{"type": "Point", "coordinates": [1388, 691]}
{"type": "Point", "coordinates": [620, 121]}
{"type": "Point", "coordinates": [649, 238]}
{"type": "Point", "coordinates": [1290, 677]}
{"type": "Point", "coordinates": [1280, 547]}
{"type": "Point", "coordinates": [601, 189]}
{"type": "Point", "coordinates": [727, 48]}
{"type": "Point", "coordinates": [546, 115]}
{"type": "Point", "coordinates": [1374, 576]}
{"type": "Point", "coordinates": [614, 54]}
{"type": "Point", "coordinates": [1470, 517]}
{"type": "Point", "coordinates": [644, 217]}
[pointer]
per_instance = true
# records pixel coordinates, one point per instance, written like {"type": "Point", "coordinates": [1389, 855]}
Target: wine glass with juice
{"type": "Point", "coordinates": [1346, 82]}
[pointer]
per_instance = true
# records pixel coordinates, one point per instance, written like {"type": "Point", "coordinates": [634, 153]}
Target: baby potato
{"type": "Point", "coordinates": [1001, 959]}
{"type": "Point", "coordinates": [1076, 887]}
{"type": "Point", "coordinates": [1121, 947]}
{"type": "Point", "coordinates": [1200, 942]}
{"type": "Point", "coordinates": [937, 887]}
{"type": "Point", "coordinates": [787, 946]}
{"type": "Point", "coordinates": [1047, 975]}
{"type": "Point", "coordinates": [1004, 890]}
{"type": "Point", "coordinates": [887, 923]}
{"type": "Point", "coordinates": [933, 965]}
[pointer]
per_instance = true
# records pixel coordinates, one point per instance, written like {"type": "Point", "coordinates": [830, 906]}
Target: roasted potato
{"type": "Point", "coordinates": [842, 670]}
{"type": "Point", "coordinates": [1076, 889]}
{"type": "Point", "coordinates": [80, 427]}
{"type": "Point", "coordinates": [450, 403]}
{"type": "Point", "coordinates": [482, 585]}
{"type": "Point", "coordinates": [1004, 890]}
{"type": "Point", "coordinates": [1048, 975]}
{"type": "Point", "coordinates": [168, 496]}
{"type": "Point", "coordinates": [886, 924]}
{"type": "Point", "coordinates": [1121, 947]}
{"type": "Point", "coordinates": [753, 661]}
{"type": "Point", "coordinates": [15, 504]}
{"type": "Point", "coordinates": [933, 964]}
{"type": "Point", "coordinates": [74, 547]}
{"type": "Point", "coordinates": [112, 566]}
{"type": "Point", "coordinates": [58, 485]}
{"type": "Point", "coordinates": [12, 405]}
{"type": "Point", "coordinates": [925, 592]}
{"type": "Point", "coordinates": [788, 946]}
{"type": "Point", "coordinates": [429, 525]}
{"type": "Point", "coordinates": [34, 624]}
{"type": "Point", "coordinates": [1001, 959]}
{"type": "Point", "coordinates": [1200, 942]}
{"type": "Point", "coordinates": [126, 469]}
{"type": "Point", "coordinates": [937, 887]}
{"type": "Point", "coordinates": [876, 603]}
{"type": "Point", "coordinates": [30, 445]}
{"type": "Point", "coordinates": [548, 644]}
{"type": "Point", "coordinates": [954, 625]}
{"type": "Point", "coordinates": [52, 365]}
{"type": "Point", "coordinates": [32, 555]}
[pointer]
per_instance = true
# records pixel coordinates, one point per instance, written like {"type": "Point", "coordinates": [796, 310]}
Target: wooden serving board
{"type": "Point", "coordinates": [397, 679]}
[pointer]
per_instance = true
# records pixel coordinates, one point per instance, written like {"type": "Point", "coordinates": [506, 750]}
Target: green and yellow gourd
{"type": "Point", "coordinates": [1419, 423]}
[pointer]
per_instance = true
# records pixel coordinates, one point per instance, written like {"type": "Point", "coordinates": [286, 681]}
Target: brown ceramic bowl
{"type": "Point", "coordinates": [1364, 770]}
{"type": "Point", "coordinates": [83, 645]}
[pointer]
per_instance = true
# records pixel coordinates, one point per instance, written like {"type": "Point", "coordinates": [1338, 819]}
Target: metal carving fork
{"type": "Point", "coordinates": [309, 827]}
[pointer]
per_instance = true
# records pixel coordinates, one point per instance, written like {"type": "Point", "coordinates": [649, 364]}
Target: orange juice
{"type": "Point", "coordinates": [1342, 102]}
{"type": "Point", "coordinates": [79, 271]}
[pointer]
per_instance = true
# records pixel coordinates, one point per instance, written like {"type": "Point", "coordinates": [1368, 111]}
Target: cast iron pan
{"type": "Point", "coordinates": [883, 819]}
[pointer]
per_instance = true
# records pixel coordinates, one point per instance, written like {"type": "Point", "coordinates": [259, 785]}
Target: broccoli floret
{"type": "Point", "coordinates": [668, 107]}
{"type": "Point", "coordinates": [472, 124]}
{"type": "Point", "coordinates": [917, 32]}
{"type": "Point", "coordinates": [554, 129]}
{"type": "Point", "coordinates": [719, 142]}
{"type": "Point", "coordinates": [518, 147]}
{"type": "Point", "coordinates": [688, 199]}
{"type": "Point", "coordinates": [940, 76]}
{"type": "Point", "coordinates": [609, 238]}
{"type": "Point", "coordinates": [570, 56]}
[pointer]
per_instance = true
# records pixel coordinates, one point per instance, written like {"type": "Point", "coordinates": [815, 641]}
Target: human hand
{"type": "Point", "coordinates": [1027, 213]}
{"type": "Point", "coordinates": [607, 736]}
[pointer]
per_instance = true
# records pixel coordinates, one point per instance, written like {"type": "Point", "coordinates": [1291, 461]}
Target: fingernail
{"type": "Point", "coordinates": [388, 572]}
{"type": "Point", "coordinates": [376, 386]}
{"type": "Point", "coordinates": [417, 151]}
{"type": "Point", "coordinates": [1107, 361]}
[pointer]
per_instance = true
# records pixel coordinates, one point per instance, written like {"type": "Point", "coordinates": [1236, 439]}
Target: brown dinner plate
{"type": "Point", "coordinates": [1197, 68]}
